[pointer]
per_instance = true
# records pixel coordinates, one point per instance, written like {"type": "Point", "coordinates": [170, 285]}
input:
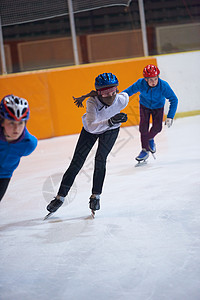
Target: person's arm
{"type": "Point", "coordinates": [79, 100]}
{"type": "Point", "coordinates": [173, 100]}
{"type": "Point", "coordinates": [132, 89]}
{"type": "Point", "coordinates": [30, 143]}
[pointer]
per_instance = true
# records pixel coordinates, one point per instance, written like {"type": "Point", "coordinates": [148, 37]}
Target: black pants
{"type": "Point", "coordinates": [157, 118]}
{"type": "Point", "coordinates": [3, 186]}
{"type": "Point", "coordinates": [85, 143]}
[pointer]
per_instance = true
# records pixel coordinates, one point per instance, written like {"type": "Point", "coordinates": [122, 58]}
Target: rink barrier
{"type": "Point", "coordinates": [187, 114]}
{"type": "Point", "coordinates": [49, 92]}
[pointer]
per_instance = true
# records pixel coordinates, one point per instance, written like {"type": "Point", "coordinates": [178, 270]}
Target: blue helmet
{"type": "Point", "coordinates": [105, 80]}
{"type": "Point", "coordinates": [14, 108]}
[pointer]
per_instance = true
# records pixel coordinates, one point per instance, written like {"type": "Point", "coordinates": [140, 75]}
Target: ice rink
{"type": "Point", "coordinates": [144, 243]}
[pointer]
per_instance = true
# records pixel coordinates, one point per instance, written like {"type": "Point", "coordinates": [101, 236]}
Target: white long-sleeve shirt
{"type": "Point", "coordinates": [95, 120]}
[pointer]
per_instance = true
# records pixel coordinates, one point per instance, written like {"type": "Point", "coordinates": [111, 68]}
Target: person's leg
{"type": "Point", "coordinates": [84, 145]}
{"type": "Point", "coordinates": [157, 119]}
{"type": "Point", "coordinates": [3, 186]}
{"type": "Point", "coordinates": [144, 126]}
{"type": "Point", "coordinates": [105, 145]}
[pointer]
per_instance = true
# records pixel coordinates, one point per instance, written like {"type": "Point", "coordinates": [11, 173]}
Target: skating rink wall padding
{"type": "Point", "coordinates": [49, 92]}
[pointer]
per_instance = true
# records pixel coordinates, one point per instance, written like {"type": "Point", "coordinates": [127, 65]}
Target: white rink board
{"type": "Point", "coordinates": [181, 71]}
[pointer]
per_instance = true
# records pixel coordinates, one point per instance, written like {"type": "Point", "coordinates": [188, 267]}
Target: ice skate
{"type": "Point", "coordinates": [48, 215]}
{"type": "Point", "coordinates": [94, 204]}
{"type": "Point", "coordinates": [142, 157]}
{"type": "Point", "coordinates": [152, 146]}
{"type": "Point", "coordinates": [53, 206]}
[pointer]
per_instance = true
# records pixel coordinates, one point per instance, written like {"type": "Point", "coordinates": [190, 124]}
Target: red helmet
{"type": "Point", "coordinates": [151, 71]}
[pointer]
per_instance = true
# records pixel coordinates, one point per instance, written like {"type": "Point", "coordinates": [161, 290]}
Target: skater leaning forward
{"type": "Point", "coordinates": [101, 123]}
{"type": "Point", "coordinates": [153, 93]}
{"type": "Point", "coordinates": [15, 140]}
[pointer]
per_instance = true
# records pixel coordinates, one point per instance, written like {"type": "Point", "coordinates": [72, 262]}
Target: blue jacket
{"type": "Point", "coordinates": [11, 153]}
{"type": "Point", "coordinates": [154, 97]}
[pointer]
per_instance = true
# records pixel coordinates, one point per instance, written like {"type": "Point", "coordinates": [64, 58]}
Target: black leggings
{"type": "Point", "coordinates": [85, 143]}
{"type": "Point", "coordinates": [3, 186]}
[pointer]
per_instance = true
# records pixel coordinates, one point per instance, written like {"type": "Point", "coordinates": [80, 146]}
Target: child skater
{"type": "Point", "coordinates": [101, 123]}
{"type": "Point", "coordinates": [15, 140]}
{"type": "Point", "coordinates": [153, 92]}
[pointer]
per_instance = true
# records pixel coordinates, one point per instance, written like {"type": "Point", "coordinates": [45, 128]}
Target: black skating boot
{"type": "Point", "coordinates": [94, 202]}
{"type": "Point", "coordinates": [55, 204]}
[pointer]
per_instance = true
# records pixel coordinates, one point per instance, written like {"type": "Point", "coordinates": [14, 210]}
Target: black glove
{"type": "Point", "coordinates": [118, 118]}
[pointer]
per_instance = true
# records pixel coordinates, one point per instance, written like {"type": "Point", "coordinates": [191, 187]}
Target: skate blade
{"type": "Point", "coordinates": [141, 163]}
{"type": "Point", "coordinates": [93, 214]}
{"type": "Point", "coordinates": [48, 216]}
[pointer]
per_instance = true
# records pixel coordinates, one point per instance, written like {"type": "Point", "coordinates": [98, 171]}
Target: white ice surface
{"type": "Point", "coordinates": [144, 243]}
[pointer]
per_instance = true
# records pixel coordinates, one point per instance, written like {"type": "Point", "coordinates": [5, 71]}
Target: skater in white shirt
{"type": "Point", "coordinates": [101, 122]}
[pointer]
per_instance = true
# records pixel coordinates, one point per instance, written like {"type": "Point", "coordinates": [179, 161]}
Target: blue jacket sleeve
{"type": "Point", "coordinates": [30, 142]}
{"type": "Point", "coordinates": [133, 89]}
{"type": "Point", "coordinates": [173, 100]}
